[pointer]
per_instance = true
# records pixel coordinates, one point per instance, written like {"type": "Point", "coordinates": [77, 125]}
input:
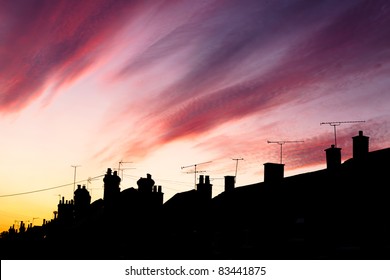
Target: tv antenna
{"type": "Point", "coordinates": [334, 124]}
{"type": "Point", "coordinates": [121, 163]}
{"type": "Point", "coordinates": [212, 179]}
{"type": "Point", "coordinates": [74, 176]}
{"type": "Point", "coordinates": [281, 143]}
{"type": "Point", "coordinates": [119, 167]}
{"type": "Point", "coordinates": [195, 165]}
{"type": "Point", "coordinates": [236, 159]}
{"type": "Point", "coordinates": [89, 181]}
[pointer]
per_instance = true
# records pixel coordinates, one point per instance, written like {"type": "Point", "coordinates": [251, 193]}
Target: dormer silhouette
{"type": "Point", "coordinates": [204, 188]}
{"type": "Point", "coordinates": [360, 146]}
{"type": "Point", "coordinates": [82, 201]}
{"type": "Point", "coordinates": [111, 188]}
{"type": "Point", "coordinates": [229, 183]}
{"type": "Point", "coordinates": [273, 173]}
{"type": "Point", "coordinates": [333, 157]}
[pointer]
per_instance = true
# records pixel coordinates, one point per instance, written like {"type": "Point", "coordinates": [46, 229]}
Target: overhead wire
{"type": "Point", "coordinates": [47, 189]}
{"type": "Point", "coordinates": [91, 178]}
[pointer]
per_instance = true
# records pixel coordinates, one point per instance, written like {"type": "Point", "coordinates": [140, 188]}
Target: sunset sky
{"type": "Point", "coordinates": [168, 84]}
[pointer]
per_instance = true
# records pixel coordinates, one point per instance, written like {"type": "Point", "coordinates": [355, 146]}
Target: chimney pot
{"type": "Point", "coordinates": [201, 181]}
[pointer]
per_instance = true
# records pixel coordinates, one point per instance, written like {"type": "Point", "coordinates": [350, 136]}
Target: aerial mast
{"type": "Point", "coordinates": [334, 124]}
{"type": "Point", "coordinates": [281, 143]}
{"type": "Point", "coordinates": [236, 159]}
{"type": "Point", "coordinates": [119, 167]}
{"type": "Point", "coordinates": [195, 165]}
{"type": "Point", "coordinates": [74, 176]}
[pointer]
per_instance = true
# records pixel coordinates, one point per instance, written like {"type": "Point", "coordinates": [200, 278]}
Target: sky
{"type": "Point", "coordinates": [163, 86]}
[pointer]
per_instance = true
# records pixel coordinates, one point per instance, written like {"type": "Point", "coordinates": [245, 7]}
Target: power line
{"type": "Point", "coordinates": [47, 189]}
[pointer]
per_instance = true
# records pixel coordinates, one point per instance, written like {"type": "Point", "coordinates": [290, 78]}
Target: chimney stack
{"type": "Point", "coordinates": [333, 157]}
{"type": "Point", "coordinates": [145, 184]}
{"type": "Point", "coordinates": [360, 146]}
{"type": "Point", "coordinates": [273, 173]}
{"type": "Point", "coordinates": [204, 187]}
{"type": "Point", "coordinates": [229, 183]}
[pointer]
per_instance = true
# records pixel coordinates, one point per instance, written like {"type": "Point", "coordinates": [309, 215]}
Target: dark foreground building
{"type": "Point", "coordinates": [341, 212]}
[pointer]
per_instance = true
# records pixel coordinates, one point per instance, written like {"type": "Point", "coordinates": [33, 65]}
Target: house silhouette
{"type": "Point", "coordinates": [340, 212]}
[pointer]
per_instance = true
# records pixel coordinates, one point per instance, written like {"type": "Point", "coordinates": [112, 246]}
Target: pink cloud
{"type": "Point", "coordinates": [315, 45]}
{"type": "Point", "coordinates": [53, 40]}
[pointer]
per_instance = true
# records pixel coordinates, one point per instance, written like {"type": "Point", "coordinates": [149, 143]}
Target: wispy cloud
{"type": "Point", "coordinates": [227, 60]}
{"type": "Point", "coordinates": [52, 42]}
{"type": "Point", "coordinates": [325, 48]}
